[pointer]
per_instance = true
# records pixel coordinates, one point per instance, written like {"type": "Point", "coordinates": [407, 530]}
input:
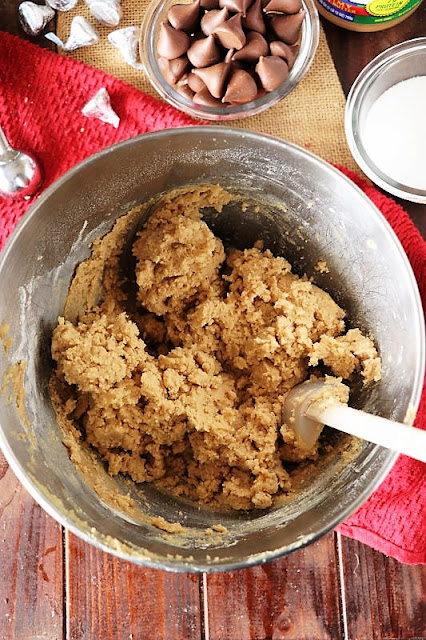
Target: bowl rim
{"type": "Point", "coordinates": [153, 13]}
{"type": "Point", "coordinates": [377, 67]}
{"type": "Point", "coordinates": [126, 552]}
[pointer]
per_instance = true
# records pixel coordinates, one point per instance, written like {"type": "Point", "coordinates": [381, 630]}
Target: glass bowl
{"type": "Point", "coordinates": [401, 62]}
{"type": "Point", "coordinates": [156, 13]}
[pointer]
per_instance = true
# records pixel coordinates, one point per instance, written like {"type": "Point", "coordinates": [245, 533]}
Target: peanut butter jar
{"type": "Point", "coordinates": [366, 15]}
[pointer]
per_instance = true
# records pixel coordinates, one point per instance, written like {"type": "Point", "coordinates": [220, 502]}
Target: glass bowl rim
{"type": "Point", "coordinates": [153, 15]}
{"type": "Point", "coordinates": [362, 84]}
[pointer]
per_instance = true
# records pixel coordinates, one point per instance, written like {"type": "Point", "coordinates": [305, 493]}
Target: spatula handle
{"type": "Point", "coordinates": [392, 435]}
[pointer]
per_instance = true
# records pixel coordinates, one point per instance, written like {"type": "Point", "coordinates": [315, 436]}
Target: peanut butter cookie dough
{"type": "Point", "coordinates": [187, 391]}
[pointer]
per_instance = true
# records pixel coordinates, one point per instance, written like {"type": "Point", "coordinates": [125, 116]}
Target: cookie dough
{"type": "Point", "coordinates": [186, 391]}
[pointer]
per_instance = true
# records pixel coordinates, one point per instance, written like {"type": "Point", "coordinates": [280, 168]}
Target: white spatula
{"type": "Point", "coordinates": [306, 413]}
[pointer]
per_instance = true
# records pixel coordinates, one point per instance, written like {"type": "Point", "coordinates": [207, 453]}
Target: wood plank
{"type": "Point", "coordinates": [351, 51]}
{"type": "Point", "coordinates": [296, 598]}
{"type": "Point", "coordinates": [384, 598]}
{"type": "Point", "coordinates": [110, 599]}
{"type": "Point", "coordinates": [31, 560]}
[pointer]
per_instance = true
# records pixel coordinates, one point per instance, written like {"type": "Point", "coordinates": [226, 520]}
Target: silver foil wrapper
{"type": "Point", "coordinates": [82, 34]}
{"type": "Point", "coordinates": [62, 5]}
{"type": "Point", "coordinates": [126, 40]}
{"type": "Point", "coordinates": [34, 17]}
{"type": "Point", "coordinates": [100, 107]}
{"type": "Point", "coordinates": [107, 12]}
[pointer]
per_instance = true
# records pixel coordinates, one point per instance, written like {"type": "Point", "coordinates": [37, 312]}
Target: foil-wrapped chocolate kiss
{"type": "Point", "coordinates": [34, 17]}
{"type": "Point", "coordinates": [82, 34]}
{"type": "Point", "coordinates": [126, 40]}
{"type": "Point", "coordinates": [106, 12]}
{"type": "Point", "coordinates": [62, 5]}
{"type": "Point", "coordinates": [99, 107]}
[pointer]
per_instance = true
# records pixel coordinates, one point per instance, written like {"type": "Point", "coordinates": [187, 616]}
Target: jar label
{"type": "Point", "coordinates": [370, 12]}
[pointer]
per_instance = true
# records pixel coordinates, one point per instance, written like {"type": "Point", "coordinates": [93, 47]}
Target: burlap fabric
{"type": "Point", "coordinates": [311, 116]}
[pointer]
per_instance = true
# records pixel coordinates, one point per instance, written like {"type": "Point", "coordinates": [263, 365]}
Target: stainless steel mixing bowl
{"type": "Point", "coordinates": [326, 217]}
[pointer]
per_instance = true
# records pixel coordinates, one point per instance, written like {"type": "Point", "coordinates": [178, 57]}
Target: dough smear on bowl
{"type": "Point", "coordinates": [186, 391]}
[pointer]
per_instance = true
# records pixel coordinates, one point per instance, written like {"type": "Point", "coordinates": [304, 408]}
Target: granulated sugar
{"type": "Point", "coordinates": [394, 134]}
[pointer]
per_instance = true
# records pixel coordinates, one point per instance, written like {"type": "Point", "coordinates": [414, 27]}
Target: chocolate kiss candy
{"type": "Point", "coordinates": [241, 88]}
{"type": "Point", "coordinates": [62, 5]}
{"type": "Point", "coordinates": [287, 28]}
{"type": "Point", "coordinates": [228, 57]}
{"type": "Point", "coordinates": [255, 47]}
{"type": "Point", "coordinates": [237, 6]}
{"type": "Point", "coordinates": [173, 70]}
{"type": "Point", "coordinates": [212, 19]}
{"type": "Point", "coordinates": [34, 17]}
{"type": "Point", "coordinates": [215, 77]}
{"type": "Point", "coordinates": [204, 52]}
{"type": "Point", "coordinates": [230, 33]}
{"type": "Point", "coordinates": [283, 6]}
{"type": "Point", "coordinates": [185, 91]}
{"type": "Point", "coordinates": [272, 72]}
{"type": "Point", "coordinates": [82, 34]}
{"type": "Point", "coordinates": [209, 4]}
{"type": "Point", "coordinates": [105, 11]}
{"type": "Point", "coordinates": [194, 82]}
{"type": "Point", "coordinates": [254, 18]}
{"type": "Point", "coordinates": [205, 98]}
{"type": "Point", "coordinates": [172, 43]}
{"type": "Point", "coordinates": [184, 16]}
{"type": "Point", "coordinates": [100, 107]}
{"type": "Point", "coordinates": [164, 66]}
{"type": "Point", "coordinates": [126, 40]}
{"type": "Point", "coordinates": [284, 51]}
{"type": "Point", "coordinates": [178, 68]}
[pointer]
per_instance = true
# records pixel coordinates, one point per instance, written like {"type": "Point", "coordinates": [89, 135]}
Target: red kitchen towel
{"type": "Point", "coordinates": [41, 97]}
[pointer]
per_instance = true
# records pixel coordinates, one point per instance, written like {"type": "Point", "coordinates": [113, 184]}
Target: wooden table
{"type": "Point", "coordinates": [53, 586]}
